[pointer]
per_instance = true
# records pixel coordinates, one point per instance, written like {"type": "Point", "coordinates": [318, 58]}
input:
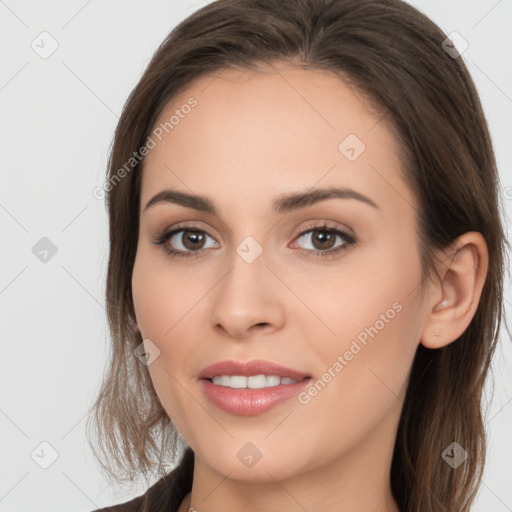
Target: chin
{"type": "Point", "coordinates": [255, 461]}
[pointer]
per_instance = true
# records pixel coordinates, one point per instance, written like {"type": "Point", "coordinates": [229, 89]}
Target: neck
{"type": "Point", "coordinates": [359, 481]}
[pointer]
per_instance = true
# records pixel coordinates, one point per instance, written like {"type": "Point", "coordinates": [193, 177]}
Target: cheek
{"type": "Point", "coordinates": [372, 313]}
{"type": "Point", "coordinates": [166, 302]}
{"type": "Point", "coordinates": [162, 295]}
{"type": "Point", "coordinates": [371, 295]}
{"type": "Point", "coordinates": [363, 369]}
{"type": "Point", "coordinates": [158, 313]}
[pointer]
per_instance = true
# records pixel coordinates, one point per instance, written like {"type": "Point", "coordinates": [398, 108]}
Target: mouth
{"type": "Point", "coordinates": [260, 381]}
{"type": "Point", "coordinates": [248, 389]}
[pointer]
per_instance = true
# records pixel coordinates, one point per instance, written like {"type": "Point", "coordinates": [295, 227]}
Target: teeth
{"type": "Point", "coordinates": [252, 382]}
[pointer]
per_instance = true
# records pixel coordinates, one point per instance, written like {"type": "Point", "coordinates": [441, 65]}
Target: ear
{"type": "Point", "coordinates": [453, 300]}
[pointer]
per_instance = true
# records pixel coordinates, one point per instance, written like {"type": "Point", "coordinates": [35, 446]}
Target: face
{"type": "Point", "coordinates": [328, 286]}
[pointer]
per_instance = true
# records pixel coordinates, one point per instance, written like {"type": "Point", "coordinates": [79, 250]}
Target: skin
{"type": "Point", "coordinates": [253, 137]}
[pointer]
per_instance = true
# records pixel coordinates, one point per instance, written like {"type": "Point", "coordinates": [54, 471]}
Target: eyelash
{"type": "Point", "coordinates": [164, 236]}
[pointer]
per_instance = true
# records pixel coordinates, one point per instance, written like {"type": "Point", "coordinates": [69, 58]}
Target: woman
{"type": "Point", "coordinates": [306, 264]}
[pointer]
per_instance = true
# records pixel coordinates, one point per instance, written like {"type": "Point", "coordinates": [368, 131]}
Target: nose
{"type": "Point", "coordinates": [248, 299]}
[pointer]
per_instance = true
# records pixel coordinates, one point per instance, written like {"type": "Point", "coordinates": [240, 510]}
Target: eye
{"type": "Point", "coordinates": [322, 240]}
{"type": "Point", "coordinates": [184, 241]}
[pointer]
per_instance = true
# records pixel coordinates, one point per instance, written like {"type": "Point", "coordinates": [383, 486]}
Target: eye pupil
{"type": "Point", "coordinates": [190, 239]}
{"type": "Point", "coordinates": [323, 237]}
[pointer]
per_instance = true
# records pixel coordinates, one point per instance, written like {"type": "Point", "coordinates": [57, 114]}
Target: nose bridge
{"type": "Point", "coordinates": [242, 286]}
{"type": "Point", "coordinates": [245, 296]}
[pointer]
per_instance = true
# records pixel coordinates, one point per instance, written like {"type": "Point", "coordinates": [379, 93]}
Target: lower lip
{"type": "Point", "coordinates": [250, 402]}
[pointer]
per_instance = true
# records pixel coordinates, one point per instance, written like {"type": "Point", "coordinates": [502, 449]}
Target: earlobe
{"type": "Point", "coordinates": [461, 280]}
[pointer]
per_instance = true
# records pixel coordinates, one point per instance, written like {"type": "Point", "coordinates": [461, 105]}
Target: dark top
{"type": "Point", "coordinates": [166, 494]}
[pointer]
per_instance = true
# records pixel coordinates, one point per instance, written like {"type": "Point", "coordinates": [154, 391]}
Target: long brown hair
{"type": "Point", "coordinates": [394, 55]}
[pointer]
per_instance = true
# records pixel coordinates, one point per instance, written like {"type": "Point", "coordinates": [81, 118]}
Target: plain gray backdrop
{"type": "Point", "coordinates": [59, 108]}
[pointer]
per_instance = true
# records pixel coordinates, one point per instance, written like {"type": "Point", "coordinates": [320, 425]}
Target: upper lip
{"type": "Point", "coordinates": [254, 367]}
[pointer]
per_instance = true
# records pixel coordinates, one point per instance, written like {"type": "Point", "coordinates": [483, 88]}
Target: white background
{"type": "Point", "coordinates": [57, 120]}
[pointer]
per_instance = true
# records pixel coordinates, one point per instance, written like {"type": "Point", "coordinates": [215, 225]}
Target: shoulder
{"type": "Point", "coordinates": [167, 493]}
{"type": "Point", "coordinates": [158, 492]}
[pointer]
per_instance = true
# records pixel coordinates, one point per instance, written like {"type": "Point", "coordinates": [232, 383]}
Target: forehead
{"type": "Point", "coordinates": [271, 131]}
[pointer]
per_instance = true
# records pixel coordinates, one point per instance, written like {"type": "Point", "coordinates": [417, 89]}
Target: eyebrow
{"type": "Point", "coordinates": [283, 204]}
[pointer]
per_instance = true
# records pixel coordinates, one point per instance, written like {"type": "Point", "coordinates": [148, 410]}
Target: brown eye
{"type": "Point", "coordinates": [322, 240]}
{"type": "Point", "coordinates": [189, 240]}
{"type": "Point", "coordinates": [184, 241]}
{"type": "Point", "coordinates": [192, 240]}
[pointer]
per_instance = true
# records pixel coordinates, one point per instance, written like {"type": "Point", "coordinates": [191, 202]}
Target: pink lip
{"type": "Point", "coordinates": [250, 402]}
